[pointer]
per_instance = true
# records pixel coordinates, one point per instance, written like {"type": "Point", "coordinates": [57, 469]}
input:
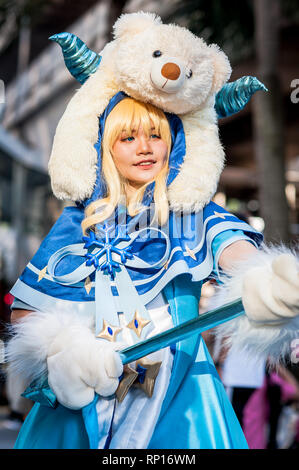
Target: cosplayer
{"type": "Point", "coordinates": [138, 152]}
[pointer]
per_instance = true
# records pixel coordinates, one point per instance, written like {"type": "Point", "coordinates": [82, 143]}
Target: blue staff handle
{"type": "Point", "coordinates": [40, 391]}
{"type": "Point", "coordinates": [197, 325]}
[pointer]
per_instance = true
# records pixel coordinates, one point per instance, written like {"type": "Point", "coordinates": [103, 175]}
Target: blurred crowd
{"type": "Point", "coordinates": [14, 407]}
{"type": "Point", "coordinates": [265, 399]}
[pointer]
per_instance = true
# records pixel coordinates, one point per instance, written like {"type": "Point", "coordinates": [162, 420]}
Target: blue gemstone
{"type": "Point", "coordinates": [136, 323]}
{"type": "Point", "coordinates": [110, 331]}
{"type": "Point", "coordinates": [141, 373]}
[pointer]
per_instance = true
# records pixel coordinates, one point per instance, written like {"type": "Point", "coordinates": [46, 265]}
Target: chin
{"type": "Point", "coordinates": [144, 180]}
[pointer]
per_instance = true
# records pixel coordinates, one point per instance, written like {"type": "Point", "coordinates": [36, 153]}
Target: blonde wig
{"type": "Point", "coordinates": [127, 115]}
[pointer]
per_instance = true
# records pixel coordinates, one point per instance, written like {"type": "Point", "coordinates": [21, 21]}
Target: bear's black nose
{"type": "Point", "coordinates": [171, 71]}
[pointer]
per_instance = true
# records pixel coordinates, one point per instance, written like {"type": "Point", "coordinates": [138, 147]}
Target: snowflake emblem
{"type": "Point", "coordinates": [107, 246]}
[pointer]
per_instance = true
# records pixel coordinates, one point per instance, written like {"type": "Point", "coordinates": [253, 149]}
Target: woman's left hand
{"type": "Point", "coordinates": [271, 296]}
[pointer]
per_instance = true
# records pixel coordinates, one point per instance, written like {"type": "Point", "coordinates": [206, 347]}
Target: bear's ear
{"type": "Point", "coordinates": [134, 23]}
{"type": "Point", "coordinates": [222, 68]}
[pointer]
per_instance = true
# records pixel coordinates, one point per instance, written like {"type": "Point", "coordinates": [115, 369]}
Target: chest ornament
{"type": "Point", "coordinates": [107, 246]}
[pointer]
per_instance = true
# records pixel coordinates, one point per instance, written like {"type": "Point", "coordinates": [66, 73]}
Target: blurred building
{"type": "Point", "coordinates": [37, 89]}
{"type": "Point", "coordinates": [35, 99]}
{"type": "Point", "coordinates": [240, 179]}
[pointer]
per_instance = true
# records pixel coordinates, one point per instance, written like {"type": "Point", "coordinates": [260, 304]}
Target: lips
{"type": "Point", "coordinates": [145, 163]}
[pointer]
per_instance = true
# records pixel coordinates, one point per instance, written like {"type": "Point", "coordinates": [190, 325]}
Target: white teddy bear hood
{"type": "Point", "coordinates": [167, 66]}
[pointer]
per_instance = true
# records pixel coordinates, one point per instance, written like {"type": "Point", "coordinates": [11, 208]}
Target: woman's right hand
{"type": "Point", "coordinates": [76, 372]}
{"type": "Point", "coordinates": [63, 344]}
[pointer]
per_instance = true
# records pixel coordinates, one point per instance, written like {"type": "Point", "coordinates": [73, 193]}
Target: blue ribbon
{"type": "Point", "coordinates": [108, 305]}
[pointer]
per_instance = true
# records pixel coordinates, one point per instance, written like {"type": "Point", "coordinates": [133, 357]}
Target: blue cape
{"type": "Point", "coordinates": [200, 231]}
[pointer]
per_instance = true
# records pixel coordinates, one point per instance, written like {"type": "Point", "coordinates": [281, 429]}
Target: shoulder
{"type": "Point", "coordinates": [66, 231]}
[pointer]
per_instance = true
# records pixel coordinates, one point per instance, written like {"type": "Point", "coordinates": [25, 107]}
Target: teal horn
{"type": "Point", "coordinates": [79, 59]}
{"type": "Point", "coordinates": [234, 96]}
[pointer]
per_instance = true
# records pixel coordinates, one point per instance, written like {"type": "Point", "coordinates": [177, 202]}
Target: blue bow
{"type": "Point", "coordinates": [104, 261]}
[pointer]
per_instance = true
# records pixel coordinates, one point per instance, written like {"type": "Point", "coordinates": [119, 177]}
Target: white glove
{"type": "Point", "coordinates": [80, 366]}
{"type": "Point", "coordinates": [62, 344]}
{"type": "Point", "coordinates": [270, 294]}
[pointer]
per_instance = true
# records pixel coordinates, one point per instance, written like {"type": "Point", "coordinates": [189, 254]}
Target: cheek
{"type": "Point", "coordinates": [161, 151]}
{"type": "Point", "coordinates": [120, 155]}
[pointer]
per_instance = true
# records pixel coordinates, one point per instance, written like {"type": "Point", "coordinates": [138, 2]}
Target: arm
{"type": "Point", "coordinates": [268, 291]}
{"type": "Point", "coordinates": [267, 280]}
{"type": "Point", "coordinates": [18, 314]}
{"type": "Point", "coordinates": [237, 251]}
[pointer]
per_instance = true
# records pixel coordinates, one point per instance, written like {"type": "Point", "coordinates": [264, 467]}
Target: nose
{"type": "Point", "coordinates": [144, 146]}
{"type": "Point", "coordinates": [171, 71]}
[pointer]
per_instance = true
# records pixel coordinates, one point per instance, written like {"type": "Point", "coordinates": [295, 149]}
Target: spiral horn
{"type": "Point", "coordinates": [234, 96]}
{"type": "Point", "coordinates": [79, 59]}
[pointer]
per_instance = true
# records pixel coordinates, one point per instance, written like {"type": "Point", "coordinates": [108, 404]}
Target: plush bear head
{"type": "Point", "coordinates": [167, 66]}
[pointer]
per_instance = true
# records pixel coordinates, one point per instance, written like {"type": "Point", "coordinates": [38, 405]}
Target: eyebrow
{"type": "Point", "coordinates": [134, 130]}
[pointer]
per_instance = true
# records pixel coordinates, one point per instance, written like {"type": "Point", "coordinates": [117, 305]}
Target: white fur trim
{"type": "Point", "coordinates": [197, 181]}
{"type": "Point", "coordinates": [73, 161]}
{"type": "Point", "coordinates": [272, 341]}
{"type": "Point", "coordinates": [64, 345]}
{"type": "Point", "coordinates": [32, 336]}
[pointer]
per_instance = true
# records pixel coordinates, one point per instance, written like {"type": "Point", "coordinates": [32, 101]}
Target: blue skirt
{"type": "Point", "coordinates": [199, 412]}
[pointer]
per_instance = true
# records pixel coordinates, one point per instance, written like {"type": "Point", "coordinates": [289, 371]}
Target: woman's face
{"type": "Point", "coordinates": [139, 158]}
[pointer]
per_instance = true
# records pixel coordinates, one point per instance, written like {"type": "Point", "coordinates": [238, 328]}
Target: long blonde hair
{"type": "Point", "coordinates": [127, 115]}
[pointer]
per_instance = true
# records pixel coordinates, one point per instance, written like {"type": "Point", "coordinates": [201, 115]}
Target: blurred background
{"type": "Point", "coordinates": [261, 178]}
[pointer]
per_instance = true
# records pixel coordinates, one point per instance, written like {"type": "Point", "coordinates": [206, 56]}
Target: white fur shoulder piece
{"type": "Point", "coordinates": [73, 161]}
{"type": "Point", "coordinates": [197, 181]}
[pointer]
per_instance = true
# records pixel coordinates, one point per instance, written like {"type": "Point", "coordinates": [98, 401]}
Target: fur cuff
{"type": "Point", "coordinates": [32, 337]}
{"type": "Point", "coordinates": [272, 341]}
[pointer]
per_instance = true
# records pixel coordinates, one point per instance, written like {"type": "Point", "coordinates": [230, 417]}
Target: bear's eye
{"type": "Point", "coordinates": [157, 53]}
{"type": "Point", "coordinates": [189, 74]}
